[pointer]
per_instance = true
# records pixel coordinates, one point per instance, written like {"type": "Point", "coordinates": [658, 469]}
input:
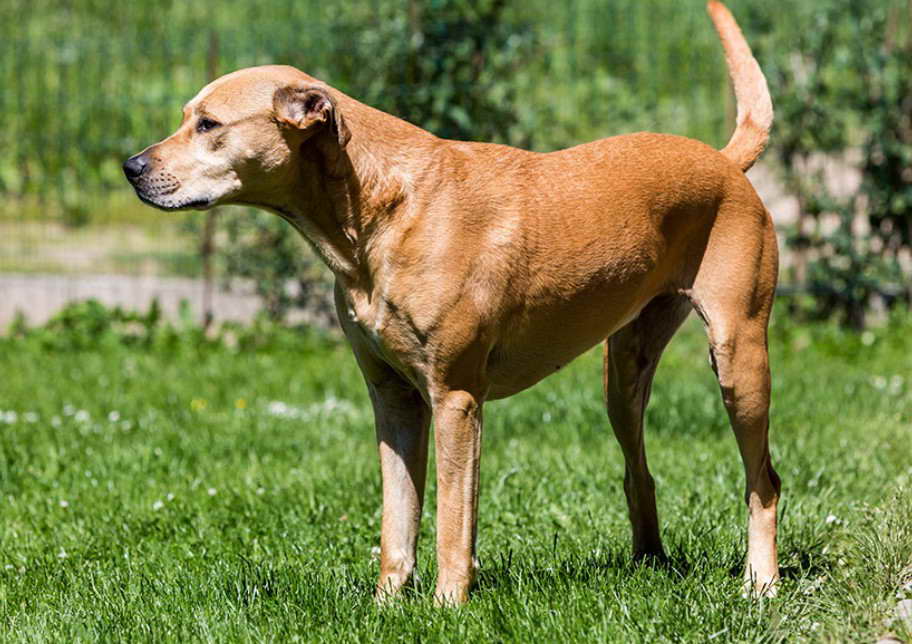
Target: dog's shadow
{"type": "Point", "coordinates": [506, 571]}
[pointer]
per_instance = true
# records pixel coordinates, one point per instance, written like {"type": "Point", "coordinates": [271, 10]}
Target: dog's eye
{"type": "Point", "coordinates": [204, 125]}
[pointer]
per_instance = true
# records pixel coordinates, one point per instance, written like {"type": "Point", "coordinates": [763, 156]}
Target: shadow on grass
{"type": "Point", "coordinates": [675, 567]}
{"type": "Point", "coordinates": [504, 572]}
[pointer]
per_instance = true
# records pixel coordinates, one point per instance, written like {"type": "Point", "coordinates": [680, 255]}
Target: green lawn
{"type": "Point", "coordinates": [187, 490]}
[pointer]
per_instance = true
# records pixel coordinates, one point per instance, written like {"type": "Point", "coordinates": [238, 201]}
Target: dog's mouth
{"type": "Point", "coordinates": [171, 205]}
{"type": "Point", "coordinates": [158, 190]}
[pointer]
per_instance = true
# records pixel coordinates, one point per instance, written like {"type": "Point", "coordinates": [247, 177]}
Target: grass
{"type": "Point", "coordinates": [158, 245]}
{"type": "Point", "coordinates": [189, 490]}
{"type": "Point", "coordinates": [117, 241]}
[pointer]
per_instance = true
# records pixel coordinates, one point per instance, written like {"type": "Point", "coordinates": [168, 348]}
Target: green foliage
{"type": "Point", "coordinates": [265, 249]}
{"type": "Point", "coordinates": [89, 325]}
{"type": "Point", "coordinates": [448, 65]}
{"type": "Point", "coordinates": [208, 493]}
{"type": "Point", "coordinates": [886, 112]}
{"type": "Point", "coordinates": [847, 84]}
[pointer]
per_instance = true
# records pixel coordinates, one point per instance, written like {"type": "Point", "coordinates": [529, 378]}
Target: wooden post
{"type": "Point", "coordinates": [207, 243]}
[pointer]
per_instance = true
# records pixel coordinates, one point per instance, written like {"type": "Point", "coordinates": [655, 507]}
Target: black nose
{"type": "Point", "coordinates": [135, 166]}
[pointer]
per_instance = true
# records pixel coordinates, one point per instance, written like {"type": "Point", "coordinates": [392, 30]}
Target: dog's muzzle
{"type": "Point", "coordinates": [155, 187]}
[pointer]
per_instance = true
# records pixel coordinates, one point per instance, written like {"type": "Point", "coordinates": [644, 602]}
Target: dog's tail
{"type": "Point", "coordinates": [755, 108]}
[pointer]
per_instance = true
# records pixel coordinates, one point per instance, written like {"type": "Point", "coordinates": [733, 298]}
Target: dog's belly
{"type": "Point", "coordinates": [547, 342]}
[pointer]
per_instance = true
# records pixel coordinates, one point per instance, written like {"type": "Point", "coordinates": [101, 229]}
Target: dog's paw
{"type": "Point", "coordinates": [451, 595]}
{"type": "Point", "coordinates": [389, 588]}
{"type": "Point", "coordinates": [654, 557]}
{"type": "Point", "coordinates": [765, 587]}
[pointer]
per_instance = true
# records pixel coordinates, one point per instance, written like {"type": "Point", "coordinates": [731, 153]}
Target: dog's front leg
{"type": "Point", "coordinates": [457, 435]}
{"type": "Point", "coordinates": [402, 420]}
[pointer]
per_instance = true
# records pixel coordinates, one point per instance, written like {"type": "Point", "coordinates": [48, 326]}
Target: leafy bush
{"type": "Point", "coordinates": [89, 325]}
{"type": "Point", "coordinates": [265, 249]}
{"type": "Point", "coordinates": [846, 85]}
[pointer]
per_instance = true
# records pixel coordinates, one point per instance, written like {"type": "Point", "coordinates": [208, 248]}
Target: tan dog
{"type": "Point", "coordinates": [467, 272]}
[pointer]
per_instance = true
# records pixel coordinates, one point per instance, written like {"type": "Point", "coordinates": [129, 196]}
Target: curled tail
{"type": "Point", "coordinates": [755, 108]}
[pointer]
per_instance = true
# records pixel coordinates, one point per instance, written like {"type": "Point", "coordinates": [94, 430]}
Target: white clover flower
{"type": "Point", "coordinates": [170, 496]}
{"type": "Point", "coordinates": [158, 505]}
{"type": "Point", "coordinates": [211, 491]}
{"type": "Point", "coordinates": [81, 416]}
{"type": "Point", "coordinates": [64, 503]}
{"type": "Point", "coordinates": [278, 408]}
{"type": "Point", "coordinates": [331, 405]}
{"type": "Point", "coordinates": [114, 416]}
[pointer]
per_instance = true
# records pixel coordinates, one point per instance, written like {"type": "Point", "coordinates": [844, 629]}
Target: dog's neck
{"type": "Point", "coordinates": [343, 198]}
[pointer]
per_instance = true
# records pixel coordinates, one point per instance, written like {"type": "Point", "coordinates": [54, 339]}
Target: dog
{"type": "Point", "coordinates": [467, 272]}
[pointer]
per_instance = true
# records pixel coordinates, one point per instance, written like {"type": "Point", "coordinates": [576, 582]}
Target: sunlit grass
{"type": "Point", "coordinates": [208, 493]}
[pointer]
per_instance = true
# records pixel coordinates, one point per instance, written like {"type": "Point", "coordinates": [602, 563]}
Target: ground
{"type": "Point", "coordinates": [176, 489]}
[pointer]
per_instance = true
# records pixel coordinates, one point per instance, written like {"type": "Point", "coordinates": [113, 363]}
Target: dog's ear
{"type": "Point", "coordinates": [309, 109]}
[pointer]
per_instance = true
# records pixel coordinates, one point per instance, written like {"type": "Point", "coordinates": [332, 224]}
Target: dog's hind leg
{"type": "Point", "coordinates": [631, 357]}
{"type": "Point", "coordinates": [734, 295]}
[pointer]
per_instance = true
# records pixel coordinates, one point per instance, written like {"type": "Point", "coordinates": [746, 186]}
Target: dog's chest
{"type": "Point", "coordinates": [389, 333]}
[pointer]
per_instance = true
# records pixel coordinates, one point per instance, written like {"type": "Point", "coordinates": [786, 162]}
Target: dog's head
{"type": "Point", "coordinates": [239, 140]}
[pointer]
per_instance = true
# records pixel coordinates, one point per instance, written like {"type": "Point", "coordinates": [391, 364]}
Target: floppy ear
{"type": "Point", "coordinates": [308, 110]}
